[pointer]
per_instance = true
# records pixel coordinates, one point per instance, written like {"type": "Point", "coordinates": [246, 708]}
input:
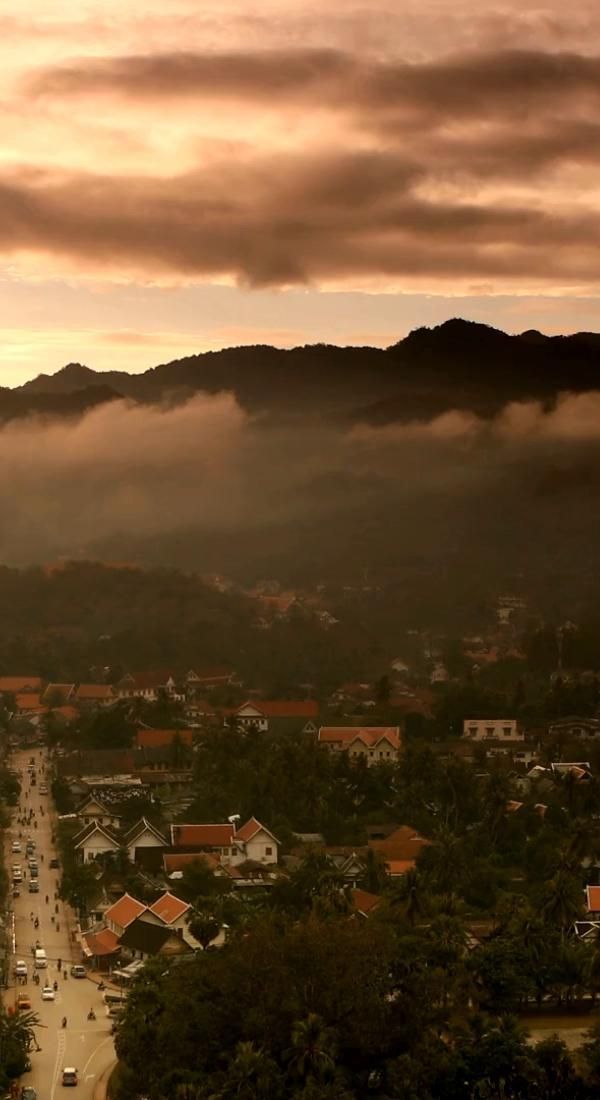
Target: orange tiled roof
{"type": "Point", "coordinates": [369, 735]}
{"type": "Point", "coordinates": [178, 861]}
{"type": "Point", "coordinates": [105, 942]}
{"type": "Point", "coordinates": [169, 908]}
{"type": "Point", "coordinates": [403, 844]}
{"type": "Point", "coordinates": [592, 899]}
{"type": "Point", "coordinates": [202, 836]}
{"type": "Point", "coordinates": [399, 866]}
{"type": "Point", "coordinates": [28, 700]}
{"type": "Point", "coordinates": [363, 901]}
{"type": "Point", "coordinates": [150, 738]}
{"type": "Point", "coordinates": [125, 910]}
{"type": "Point", "coordinates": [283, 708]}
{"type": "Point", "coordinates": [94, 691]}
{"type": "Point", "coordinates": [17, 684]}
{"type": "Point", "coordinates": [250, 829]}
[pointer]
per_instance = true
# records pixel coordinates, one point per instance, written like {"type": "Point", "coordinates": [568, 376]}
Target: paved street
{"type": "Point", "coordinates": [85, 1044]}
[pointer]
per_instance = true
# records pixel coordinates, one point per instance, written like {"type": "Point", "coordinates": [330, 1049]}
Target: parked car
{"type": "Point", "coordinates": [34, 886]}
{"type": "Point", "coordinates": [28, 1093]}
{"type": "Point", "coordinates": [69, 1076]}
{"type": "Point", "coordinates": [78, 971]}
{"type": "Point", "coordinates": [47, 993]}
{"type": "Point", "coordinates": [54, 863]}
{"type": "Point", "coordinates": [16, 846]}
{"type": "Point", "coordinates": [23, 1001]}
{"type": "Point", "coordinates": [43, 789]}
{"type": "Point", "coordinates": [21, 968]}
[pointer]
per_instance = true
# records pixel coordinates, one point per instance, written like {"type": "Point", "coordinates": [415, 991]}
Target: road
{"type": "Point", "coordinates": [85, 1044]}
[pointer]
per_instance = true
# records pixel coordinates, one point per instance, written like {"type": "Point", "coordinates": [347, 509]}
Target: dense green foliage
{"type": "Point", "coordinates": [331, 1008]}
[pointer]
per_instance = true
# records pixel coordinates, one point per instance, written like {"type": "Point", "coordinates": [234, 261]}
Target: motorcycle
{"type": "Point", "coordinates": [91, 1014]}
{"type": "Point", "coordinates": [64, 1021]}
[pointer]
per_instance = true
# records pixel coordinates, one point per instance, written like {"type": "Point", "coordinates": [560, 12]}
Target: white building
{"type": "Point", "coordinates": [492, 729]}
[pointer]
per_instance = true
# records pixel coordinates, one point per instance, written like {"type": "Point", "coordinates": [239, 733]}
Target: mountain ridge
{"type": "Point", "coordinates": [458, 363]}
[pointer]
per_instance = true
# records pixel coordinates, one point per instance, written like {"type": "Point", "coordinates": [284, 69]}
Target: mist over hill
{"type": "Point", "coordinates": [453, 461]}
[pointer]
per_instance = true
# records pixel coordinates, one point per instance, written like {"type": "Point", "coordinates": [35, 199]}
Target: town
{"type": "Point", "coordinates": [447, 799]}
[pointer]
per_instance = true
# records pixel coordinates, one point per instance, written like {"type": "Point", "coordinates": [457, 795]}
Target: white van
{"type": "Point", "coordinates": [41, 962]}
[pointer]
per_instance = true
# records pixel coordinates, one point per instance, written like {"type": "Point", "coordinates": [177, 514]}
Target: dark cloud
{"type": "Point", "coordinates": [291, 219]}
{"type": "Point", "coordinates": [493, 83]}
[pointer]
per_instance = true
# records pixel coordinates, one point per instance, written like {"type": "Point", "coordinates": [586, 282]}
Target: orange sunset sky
{"type": "Point", "coordinates": [188, 175]}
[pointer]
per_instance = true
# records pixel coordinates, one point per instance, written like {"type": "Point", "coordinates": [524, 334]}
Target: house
{"type": "Point", "coordinates": [29, 702]}
{"type": "Point", "coordinates": [400, 850]}
{"type": "Point", "coordinates": [566, 728]}
{"type": "Point", "coordinates": [145, 685]}
{"type": "Point", "coordinates": [15, 685]}
{"type": "Point", "coordinates": [376, 744]}
{"type": "Point", "coordinates": [142, 839]}
{"type": "Point", "coordinates": [122, 913]}
{"type": "Point", "coordinates": [207, 679]}
{"type": "Point", "coordinates": [349, 862]}
{"type": "Point", "coordinates": [58, 695]}
{"type": "Point", "coordinates": [252, 841]}
{"type": "Point", "coordinates": [264, 714]}
{"type": "Point", "coordinates": [100, 945]}
{"type": "Point", "coordinates": [592, 901]}
{"type": "Point", "coordinates": [142, 940]}
{"type": "Point", "coordinates": [95, 695]}
{"type": "Point", "coordinates": [170, 910]}
{"type": "Point", "coordinates": [579, 771]}
{"type": "Point", "coordinates": [175, 863]}
{"type": "Point", "coordinates": [92, 809]}
{"type": "Point", "coordinates": [95, 840]}
{"type": "Point", "coordinates": [151, 738]}
{"type": "Point", "coordinates": [492, 729]}
{"type": "Point", "coordinates": [259, 843]}
{"type": "Point", "coordinates": [518, 751]}
{"type": "Point", "coordinates": [364, 903]}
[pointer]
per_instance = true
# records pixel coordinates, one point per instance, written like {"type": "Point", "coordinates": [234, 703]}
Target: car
{"type": "Point", "coordinates": [54, 863]}
{"type": "Point", "coordinates": [48, 993]}
{"type": "Point", "coordinates": [78, 971]}
{"type": "Point", "coordinates": [15, 847]}
{"type": "Point", "coordinates": [33, 886]}
{"type": "Point", "coordinates": [28, 1093]}
{"type": "Point", "coordinates": [30, 848]}
{"type": "Point", "coordinates": [43, 788]}
{"type": "Point", "coordinates": [69, 1076]}
{"type": "Point", "coordinates": [23, 1002]}
{"type": "Point", "coordinates": [21, 968]}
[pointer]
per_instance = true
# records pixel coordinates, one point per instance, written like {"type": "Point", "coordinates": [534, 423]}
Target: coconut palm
{"type": "Point", "coordinates": [251, 1075]}
{"type": "Point", "coordinates": [312, 1053]}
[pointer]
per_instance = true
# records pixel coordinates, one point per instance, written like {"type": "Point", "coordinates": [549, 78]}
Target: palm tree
{"type": "Point", "coordinates": [563, 902]}
{"type": "Point", "coordinates": [409, 893]}
{"type": "Point", "coordinates": [312, 1053]}
{"type": "Point", "coordinates": [17, 1036]}
{"type": "Point", "coordinates": [203, 925]}
{"type": "Point", "coordinates": [251, 1075]}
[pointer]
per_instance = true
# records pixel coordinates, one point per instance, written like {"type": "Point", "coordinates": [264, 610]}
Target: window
{"type": "Point", "coordinates": [473, 731]}
{"type": "Point", "coordinates": [268, 851]}
{"type": "Point", "coordinates": [489, 731]}
{"type": "Point", "coordinates": [507, 730]}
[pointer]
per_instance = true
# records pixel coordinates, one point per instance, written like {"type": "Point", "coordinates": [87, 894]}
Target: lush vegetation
{"type": "Point", "coordinates": [327, 1008]}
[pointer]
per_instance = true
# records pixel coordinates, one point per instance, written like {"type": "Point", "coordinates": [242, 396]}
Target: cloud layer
{"type": "Point", "coordinates": [358, 170]}
{"type": "Point", "coordinates": [126, 472]}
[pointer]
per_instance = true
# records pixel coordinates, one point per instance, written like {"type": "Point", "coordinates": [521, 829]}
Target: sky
{"type": "Point", "coordinates": [188, 176]}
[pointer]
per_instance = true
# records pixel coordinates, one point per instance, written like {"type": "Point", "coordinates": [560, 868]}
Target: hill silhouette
{"type": "Point", "coordinates": [456, 364]}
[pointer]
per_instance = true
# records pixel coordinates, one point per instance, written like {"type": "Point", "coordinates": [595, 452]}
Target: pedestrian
{"type": "Point", "coordinates": [56, 908]}
{"type": "Point", "coordinates": [59, 964]}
